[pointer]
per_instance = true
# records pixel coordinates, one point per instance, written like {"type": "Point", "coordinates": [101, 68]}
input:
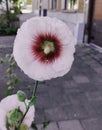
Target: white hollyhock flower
{"type": "Point", "coordinates": [11, 102]}
{"type": "Point", "coordinates": [44, 48]}
{"type": "Point", "coordinates": [2, 119]}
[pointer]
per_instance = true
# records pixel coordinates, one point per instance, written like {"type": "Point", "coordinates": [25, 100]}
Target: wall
{"type": "Point", "coordinates": [81, 6]}
{"type": "Point", "coordinates": [75, 21]}
{"type": "Point", "coordinates": [98, 10]}
{"type": "Point", "coordinates": [60, 4]}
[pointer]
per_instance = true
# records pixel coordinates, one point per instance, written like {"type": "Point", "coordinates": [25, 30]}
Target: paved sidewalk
{"type": "Point", "coordinates": [72, 102]}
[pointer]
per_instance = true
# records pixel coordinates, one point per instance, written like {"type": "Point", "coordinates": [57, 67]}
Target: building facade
{"type": "Point", "coordinates": [94, 22]}
{"type": "Point", "coordinates": [75, 20]}
{"type": "Point", "coordinates": [59, 5]}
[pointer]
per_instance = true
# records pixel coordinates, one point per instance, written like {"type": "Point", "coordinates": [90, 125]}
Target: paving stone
{"type": "Point", "coordinates": [3, 87]}
{"type": "Point", "coordinates": [51, 126]}
{"type": "Point", "coordinates": [81, 88]}
{"type": "Point", "coordinates": [76, 112]}
{"type": "Point", "coordinates": [80, 111]}
{"type": "Point", "coordinates": [82, 106]}
{"type": "Point", "coordinates": [42, 100]}
{"type": "Point", "coordinates": [72, 90]}
{"type": "Point", "coordinates": [98, 56]}
{"type": "Point", "coordinates": [70, 125]}
{"type": "Point", "coordinates": [7, 41]}
{"type": "Point", "coordinates": [98, 70]}
{"type": "Point", "coordinates": [81, 79]}
{"type": "Point", "coordinates": [55, 114]}
{"type": "Point", "coordinates": [77, 98]}
{"type": "Point", "coordinates": [97, 105]}
{"type": "Point", "coordinates": [69, 110]}
{"type": "Point", "coordinates": [58, 96]}
{"type": "Point", "coordinates": [94, 96]}
{"type": "Point", "coordinates": [39, 115]}
{"type": "Point", "coordinates": [90, 61]}
{"type": "Point", "coordinates": [43, 87]}
{"type": "Point", "coordinates": [88, 71]}
{"type": "Point", "coordinates": [86, 58]}
{"type": "Point", "coordinates": [92, 124]}
{"type": "Point", "coordinates": [97, 79]}
{"type": "Point", "coordinates": [69, 84]}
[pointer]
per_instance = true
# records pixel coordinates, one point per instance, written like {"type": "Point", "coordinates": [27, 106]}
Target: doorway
{"type": "Point", "coordinates": [95, 22]}
{"type": "Point", "coordinates": [54, 4]}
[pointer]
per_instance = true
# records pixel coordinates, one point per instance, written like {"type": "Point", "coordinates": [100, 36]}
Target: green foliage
{"type": "Point", "coordinates": [12, 18]}
{"type": "Point", "coordinates": [16, 6]}
{"type": "Point", "coordinates": [34, 126]}
{"type": "Point", "coordinates": [3, 20]}
{"type": "Point", "coordinates": [45, 124]}
{"type": "Point", "coordinates": [14, 117]}
{"type": "Point", "coordinates": [72, 2]}
{"type": "Point", "coordinates": [12, 79]}
{"type": "Point", "coordinates": [17, 10]}
{"type": "Point", "coordinates": [21, 96]}
{"type": "Point", "coordinates": [17, 2]}
{"type": "Point", "coordinates": [8, 31]}
{"type": "Point", "coordinates": [32, 101]}
{"type": "Point", "coordinates": [1, 61]}
{"type": "Point", "coordinates": [14, 24]}
{"type": "Point", "coordinates": [23, 127]}
{"type": "Point", "coordinates": [9, 91]}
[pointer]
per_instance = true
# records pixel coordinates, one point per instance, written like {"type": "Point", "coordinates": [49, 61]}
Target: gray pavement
{"type": "Point", "coordinates": [72, 102]}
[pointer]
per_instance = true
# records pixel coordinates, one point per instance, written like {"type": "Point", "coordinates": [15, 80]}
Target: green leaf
{"type": "Point", "coordinates": [8, 56]}
{"type": "Point", "coordinates": [21, 96]}
{"type": "Point", "coordinates": [32, 101]}
{"type": "Point", "coordinates": [14, 116]}
{"type": "Point", "coordinates": [13, 76]}
{"type": "Point", "coordinates": [0, 1]}
{"type": "Point", "coordinates": [73, 2]}
{"type": "Point", "coordinates": [8, 70]}
{"type": "Point", "coordinates": [13, 64]}
{"type": "Point", "coordinates": [34, 126]}
{"type": "Point", "coordinates": [9, 91]}
{"type": "Point", "coordinates": [24, 127]}
{"type": "Point", "coordinates": [1, 61]}
{"type": "Point", "coordinates": [17, 81]}
{"type": "Point", "coordinates": [9, 83]}
{"type": "Point", "coordinates": [45, 124]}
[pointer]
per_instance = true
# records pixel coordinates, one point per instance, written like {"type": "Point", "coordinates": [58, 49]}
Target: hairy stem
{"type": "Point", "coordinates": [28, 107]}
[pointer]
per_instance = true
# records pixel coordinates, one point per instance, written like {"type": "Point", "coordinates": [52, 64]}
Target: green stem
{"type": "Point", "coordinates": [23, 118]}
{"type": "Point", "coordinates": [35, 89]}
{"type": "Point", "coordinates": [28, 107]}
{"type": "Point", "coordinates": [25, 104]}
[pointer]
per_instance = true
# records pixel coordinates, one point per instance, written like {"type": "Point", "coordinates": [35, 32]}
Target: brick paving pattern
{"type": "Point", "coordinates": [70, 102]}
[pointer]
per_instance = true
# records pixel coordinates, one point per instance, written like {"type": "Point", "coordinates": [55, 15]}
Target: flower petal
{"type": "Point", "coordinates": [12, 102]}
{"type": "Point", "coordinates": [30, 63]}
{"type": "Point", "coordinates": [2, 119]}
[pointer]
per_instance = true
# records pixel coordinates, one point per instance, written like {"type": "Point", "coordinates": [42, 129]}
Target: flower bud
{"type": "Point", "coordinates": [14, 117]}
{"type": "Point", "coordinates": [24, 127]}
{"type": "Point", "coordinates": [21, 96]}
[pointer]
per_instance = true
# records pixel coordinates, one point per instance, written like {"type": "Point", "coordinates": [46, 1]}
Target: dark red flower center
{"type": "Point", "coordinates": [46, 47]}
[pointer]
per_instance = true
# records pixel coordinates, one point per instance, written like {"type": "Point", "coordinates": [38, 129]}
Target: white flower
{"type": "Point", "coordinates": [2, 119]}
{"type": "Point", "coordinates": [10, 103]}
{"type": "Point", "coordinates": [44, 48]}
